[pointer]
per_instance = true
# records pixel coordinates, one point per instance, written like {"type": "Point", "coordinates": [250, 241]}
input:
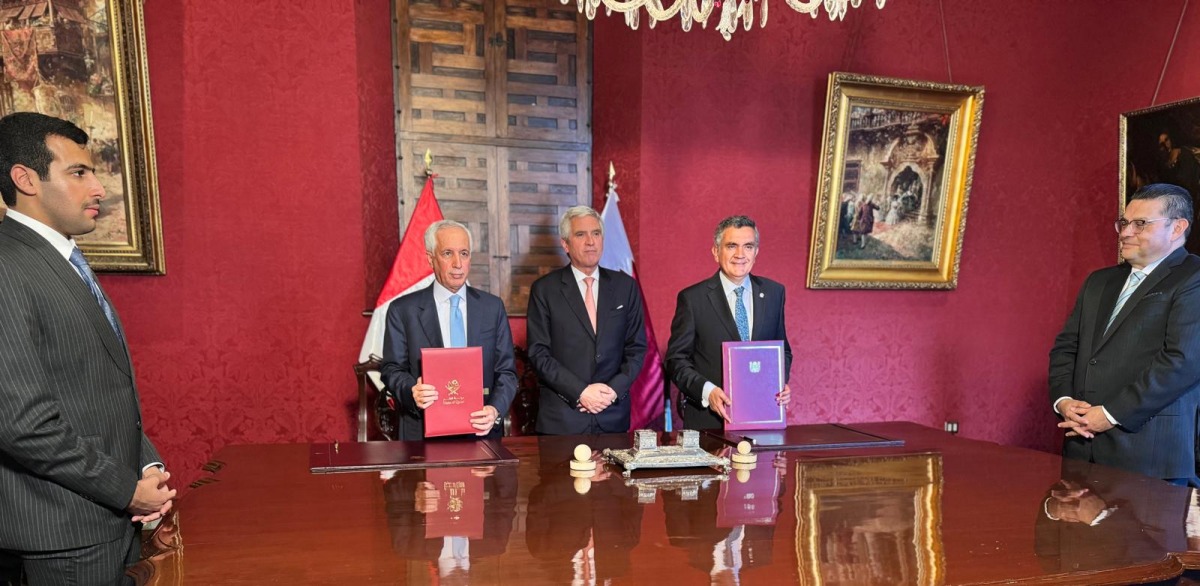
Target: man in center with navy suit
{"type": "Point", "coordinates": [447, 314]}
{"type": "Point", "coordinates": [586, 335]}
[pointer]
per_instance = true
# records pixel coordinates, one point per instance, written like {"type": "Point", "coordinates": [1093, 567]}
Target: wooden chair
{"type": "Point", "coordinates": [376, 420]}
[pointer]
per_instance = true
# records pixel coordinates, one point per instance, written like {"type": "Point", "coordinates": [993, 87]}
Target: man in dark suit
{"type": "Point", "coordinates": [77, 474]}
{"type": "Point", "coordinates": [586, 338]}
{"type": "Point", "coordinates": [434, 318]}
{"type": "Point", "coordinates": [729, 306]}
{"type": "Point", "coordinates": [1125, 368]}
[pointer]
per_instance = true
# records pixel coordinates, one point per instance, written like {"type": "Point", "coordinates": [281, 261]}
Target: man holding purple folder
{"type": "Point", "coordinates": [732, 305]}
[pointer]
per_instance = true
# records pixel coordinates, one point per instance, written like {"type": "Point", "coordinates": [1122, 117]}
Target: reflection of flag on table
{"type": "Point", "coordinates": [410, 271]}
{"type": "Point", "coordinates": [647, 390]}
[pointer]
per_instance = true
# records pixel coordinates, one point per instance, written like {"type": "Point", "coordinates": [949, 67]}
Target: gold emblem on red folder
{"type": "Point", "coordinates": [453, 386]}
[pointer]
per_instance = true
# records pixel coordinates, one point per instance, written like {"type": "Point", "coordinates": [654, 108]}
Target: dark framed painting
{"type": "Point", "coordinates": [897, 158]}
{"type": "Point", "coordinates": [85, 61]}
{"type": "Point", "coordinates": [1161, 145]}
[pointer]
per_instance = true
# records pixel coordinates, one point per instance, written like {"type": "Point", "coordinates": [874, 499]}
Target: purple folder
{"type": "Point", "coordinates": [753, 376]}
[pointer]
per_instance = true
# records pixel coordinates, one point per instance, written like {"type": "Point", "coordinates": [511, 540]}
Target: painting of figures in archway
{"type": "Point", "coordinates": [895, 176]}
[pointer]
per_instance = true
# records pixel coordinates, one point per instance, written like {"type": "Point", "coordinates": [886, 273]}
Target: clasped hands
{"type": "Point", "coordinates": [152, 498]}
{"type": "Point", "coordinates": [482, 420]}
{"type": "Point", "coordinates": [596, 397]}
{"type": "Point", "coordinates": [719, 402]}
{"type": "Point", "coordinates": [1080, 418]}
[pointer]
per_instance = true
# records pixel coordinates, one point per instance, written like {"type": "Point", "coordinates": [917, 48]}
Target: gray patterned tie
{"type": "Point", "coordinates": [739, 315]}
{"type": "Point", "coordinates": [89, 278]}
{"type": "Point", "coordinates": [1134, 279]}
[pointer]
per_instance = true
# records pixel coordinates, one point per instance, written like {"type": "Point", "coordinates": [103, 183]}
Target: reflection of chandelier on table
{"type": "Point", "coordinates": [732, 11]}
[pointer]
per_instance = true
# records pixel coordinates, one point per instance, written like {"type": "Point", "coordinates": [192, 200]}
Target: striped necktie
{"type": "Point", "coordinates": [1131, 285]}
{"type": "Point", "coordinates": [89, 278]}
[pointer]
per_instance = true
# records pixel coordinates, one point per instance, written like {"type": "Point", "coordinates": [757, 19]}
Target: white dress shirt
{"type": "Point", "coordinates": [441, 296]}
{"type": "Point", "coordinates": [731, 298]}
{"type": "Point", "coordinates": [579, 276]}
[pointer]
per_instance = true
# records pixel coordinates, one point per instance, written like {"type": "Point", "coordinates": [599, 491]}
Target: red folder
{"type": "Point", "coordinates": [457, 374]}
{"type": "Point", "coordinates": [753, 376]}
{"type": "Point", "coordinates": [459, 510]}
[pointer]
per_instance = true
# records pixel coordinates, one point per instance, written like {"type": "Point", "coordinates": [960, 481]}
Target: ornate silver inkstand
{"type": "Point", "coordinates": [646, 453]}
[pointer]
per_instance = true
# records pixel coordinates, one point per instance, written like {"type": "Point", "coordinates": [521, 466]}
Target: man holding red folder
{"type": "Point", "coordinates": [729, 306]}
{"type": "Point", "coordinates": [448, 314]}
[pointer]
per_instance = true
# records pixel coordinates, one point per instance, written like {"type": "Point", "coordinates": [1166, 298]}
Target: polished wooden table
{"type": "Point", "coordinates": [938, 510]}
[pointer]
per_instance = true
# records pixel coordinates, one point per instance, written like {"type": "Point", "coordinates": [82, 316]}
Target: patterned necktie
{"type": "Point", "coordinates": [739, 315]}
{"type": "Point", "coordinates": [1134, 278]}
{"type": "Point", "coordinates": [89, 278]}
{"type": "Point", "coordinates": [458, 334]}
{"type": "Point", "coordinates": [589, 300]}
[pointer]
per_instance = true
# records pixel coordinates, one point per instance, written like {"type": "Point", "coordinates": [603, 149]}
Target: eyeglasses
{"type": "Point", "coordinates": [1138, 225]}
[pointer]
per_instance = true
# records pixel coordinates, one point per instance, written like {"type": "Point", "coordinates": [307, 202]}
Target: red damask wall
{"type": "Point", "coordinates": [734, 127]}
{"type": "Point", "coordinates": [276, 167]}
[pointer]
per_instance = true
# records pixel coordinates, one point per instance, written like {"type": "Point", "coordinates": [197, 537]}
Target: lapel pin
{"type": "Point", "coordinates": [760, 295]}
{"type": "Point", "coordinates": [620, 306]}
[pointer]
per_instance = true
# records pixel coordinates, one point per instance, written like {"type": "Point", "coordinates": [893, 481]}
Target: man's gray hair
{"type": "Point", "coordinates": [734, 222]}
{"type": "Point", "coordinates": [432, 230]}
{"type": "Point", "coordinates": [564, 225]}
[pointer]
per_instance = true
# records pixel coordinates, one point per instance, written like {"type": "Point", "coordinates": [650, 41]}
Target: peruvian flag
{"type": "Point", "coordinates": [410, 271]}
{"type": "Point", "coordinates": [647, 390]}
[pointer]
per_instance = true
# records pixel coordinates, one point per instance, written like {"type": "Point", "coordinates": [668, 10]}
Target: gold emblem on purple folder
{"type": "Point", "coordinates": [453, 387]}
{"type": "Point", "coordinates": [755, 366]}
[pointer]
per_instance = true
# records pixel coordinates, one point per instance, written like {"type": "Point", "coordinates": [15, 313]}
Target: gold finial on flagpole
{"type": "Point", "coordinates": [428, 163]}
{"type": "Point", "coordinates": [612, 178]}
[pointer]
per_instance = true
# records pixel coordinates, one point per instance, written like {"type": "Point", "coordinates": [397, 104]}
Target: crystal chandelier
{"type": "Point", "coordinates": [732, 11]}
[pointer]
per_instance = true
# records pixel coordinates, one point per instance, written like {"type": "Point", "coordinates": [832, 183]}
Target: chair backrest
{"type": "Point", "coordinates": [376, 417]}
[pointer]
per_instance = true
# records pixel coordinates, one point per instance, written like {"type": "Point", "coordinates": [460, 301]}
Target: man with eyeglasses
{"type": "Point", "coordinates": [1125, 368]}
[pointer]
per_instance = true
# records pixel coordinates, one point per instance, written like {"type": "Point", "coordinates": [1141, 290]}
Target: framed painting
{"type": "Point", "coordinates": [1161, 145]}
{"type": "Point", "coordinates": [85, 61]}
{"type": "Point", "coordinates": [870, 520]}
{"type": "Point", "coordinates": [897, 158]}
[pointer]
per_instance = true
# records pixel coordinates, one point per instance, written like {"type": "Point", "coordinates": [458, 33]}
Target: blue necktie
{"type": "Point", "coordinates": [739, 315]}
{"type": "Point", "coordinates": [89, 278]}
{"type": "Point", "coordinates": [1134, 279]}
{"type": "Point", "coordinates": [458, 334]}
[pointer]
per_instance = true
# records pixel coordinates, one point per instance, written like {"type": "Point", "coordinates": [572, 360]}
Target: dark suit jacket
{"type": "Point", "coordinates": [1145, 370]}
{"type": "Point", "coordinates": [412, 324]}
{"type": "Point", "coordinates": [702, 322]}
{"type": "Point", "coordinates": [71, 441]}
{"type": "Point", "coordinates": [568, 356]}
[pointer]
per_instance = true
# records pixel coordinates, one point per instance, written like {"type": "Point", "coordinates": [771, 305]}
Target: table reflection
{"type": "Point", "coordinates": [451, 516]}
{"type": "Point", "coordinates": [868, 521]}
{"type": "Point", "coordinates": [583, 529]}
{"type": "Point", "coordinates": [727, 527]}
{"type": "Point", "coordinates": [1093, 519]}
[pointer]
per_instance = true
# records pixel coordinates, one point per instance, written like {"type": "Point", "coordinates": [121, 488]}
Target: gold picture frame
{"type": "Point", "coordinates": [85, 61]}
{"type": "Point", "coordinates": [846, 507]}
{"type": "Point", "coordinates": [897, 158]}
{"type": "Point", "coordinates": [1161, 144]}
